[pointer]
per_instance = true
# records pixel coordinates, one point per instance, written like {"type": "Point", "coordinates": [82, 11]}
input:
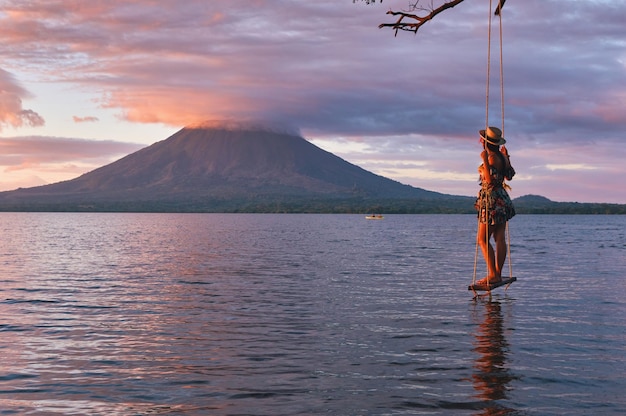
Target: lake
{"type": "Point", "coordinates": [298, 314]}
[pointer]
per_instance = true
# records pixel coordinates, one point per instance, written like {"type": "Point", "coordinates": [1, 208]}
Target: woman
{"type": "Point", "coordinates": [493, 203]}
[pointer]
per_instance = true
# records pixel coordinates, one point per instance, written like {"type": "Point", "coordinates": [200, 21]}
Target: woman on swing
{"type": "Point", "coordinates": [493, 203]}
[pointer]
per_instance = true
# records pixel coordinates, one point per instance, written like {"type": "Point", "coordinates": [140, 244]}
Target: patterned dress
{"type": "Point", "coordinates": [493, 203]}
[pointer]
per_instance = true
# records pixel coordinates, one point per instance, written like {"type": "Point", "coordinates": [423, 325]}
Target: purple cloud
{"type": "Point", "coordinates": [25, 152]}
{"type": "Point", "coordinates": [325, 66]}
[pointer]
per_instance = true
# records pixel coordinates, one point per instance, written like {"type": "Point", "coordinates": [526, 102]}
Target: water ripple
{"type": "Point", "coordinates": [121, 314]}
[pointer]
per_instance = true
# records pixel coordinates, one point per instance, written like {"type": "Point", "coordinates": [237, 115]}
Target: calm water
{"type": "Point", "coordinates": [206, 314]}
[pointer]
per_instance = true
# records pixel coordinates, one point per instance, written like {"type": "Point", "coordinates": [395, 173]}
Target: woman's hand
{"type": "Point", "coordinates": [504, 151]}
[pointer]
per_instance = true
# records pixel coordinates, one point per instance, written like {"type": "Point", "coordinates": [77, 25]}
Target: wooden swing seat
{"type": "Point", "coordinates": [488, 288]}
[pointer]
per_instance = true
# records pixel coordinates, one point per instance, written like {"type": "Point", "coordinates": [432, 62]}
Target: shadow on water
{"type": "Point", "coordinates": [491, 375]}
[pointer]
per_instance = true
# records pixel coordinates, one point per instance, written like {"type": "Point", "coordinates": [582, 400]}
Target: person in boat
{"type": "Point", "coordinates": [493, 204]}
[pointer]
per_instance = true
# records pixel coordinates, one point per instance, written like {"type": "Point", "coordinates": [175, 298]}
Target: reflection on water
{"type": "Point", "coordinates": [211, 314]}
{"type": "Point", "coordinates": [492, 375]}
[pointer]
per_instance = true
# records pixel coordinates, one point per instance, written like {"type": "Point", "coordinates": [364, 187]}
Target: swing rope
{"type": "Point", "coordinates": [488, 68]}
{"type": "Point", "coordinates": [507, 230]}
{"type": "Point", "coordinates": [483, 202]}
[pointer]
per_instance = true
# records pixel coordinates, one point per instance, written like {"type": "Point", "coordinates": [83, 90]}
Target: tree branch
{"type": "Point", "coordinates": [418, 20]}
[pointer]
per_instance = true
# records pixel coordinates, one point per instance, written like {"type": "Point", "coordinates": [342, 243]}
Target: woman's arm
{"type": "Point", "coordinates": [505, 153]}
{"type": "Point", "coordinates": [508, 168]}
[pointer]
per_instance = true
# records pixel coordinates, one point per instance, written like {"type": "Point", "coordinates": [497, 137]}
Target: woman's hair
{"type": "Point", "coordinates": [496, 148]}
{"type": "Point", "coordinates": [492, 147]}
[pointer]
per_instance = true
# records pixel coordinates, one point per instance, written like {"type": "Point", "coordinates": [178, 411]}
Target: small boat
{"type": "Point", "coordinates": [374, 217]}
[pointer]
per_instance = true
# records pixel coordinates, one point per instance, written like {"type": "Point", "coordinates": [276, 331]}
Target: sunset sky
{"type": "Point", "coordinates": [83, 83]}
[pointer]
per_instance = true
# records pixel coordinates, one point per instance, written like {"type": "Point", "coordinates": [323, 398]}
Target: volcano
{"type": "Point", "coordinates": [226, 169]}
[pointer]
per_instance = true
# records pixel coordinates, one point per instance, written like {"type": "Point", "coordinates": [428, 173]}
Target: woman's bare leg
{"type": "Point", "coordinates": [499, 236]}
{"type": "Point", "coordinates": [484, 233]}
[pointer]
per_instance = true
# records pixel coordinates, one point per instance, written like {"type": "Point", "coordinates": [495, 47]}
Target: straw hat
{"type": "Point", "coordinates": [493, 135]}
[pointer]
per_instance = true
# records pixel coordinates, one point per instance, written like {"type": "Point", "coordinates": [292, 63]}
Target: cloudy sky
{"type": "Point", "coordinates": [83, 83]}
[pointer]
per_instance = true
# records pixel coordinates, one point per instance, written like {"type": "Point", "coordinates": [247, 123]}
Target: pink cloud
{"type": "Point", "coordinates": [321, 64]}
{"type": "Point", "coordinates": [11, 112]}
{"type": "Point", "coordinates": [87, 119]}
{"type": "Point", "coordinates": [324, 66]}
{"type": "Point", "coordinates": [19, 153]}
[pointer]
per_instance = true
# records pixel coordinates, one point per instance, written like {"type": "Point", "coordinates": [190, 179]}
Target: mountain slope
{"type": "Point", "coordinates": [244, 169]}
{"type": "Point", "coordinates": [200, 166]}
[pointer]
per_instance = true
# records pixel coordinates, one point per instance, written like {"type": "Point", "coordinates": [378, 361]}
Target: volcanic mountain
{"type": "Point", "coordinates": [225, 169]}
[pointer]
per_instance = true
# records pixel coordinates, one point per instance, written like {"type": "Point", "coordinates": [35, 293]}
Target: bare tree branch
{"type": "Point", "coordinates": [411, 22]}
{"type": "Point", "coordinates": [418, 20]}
